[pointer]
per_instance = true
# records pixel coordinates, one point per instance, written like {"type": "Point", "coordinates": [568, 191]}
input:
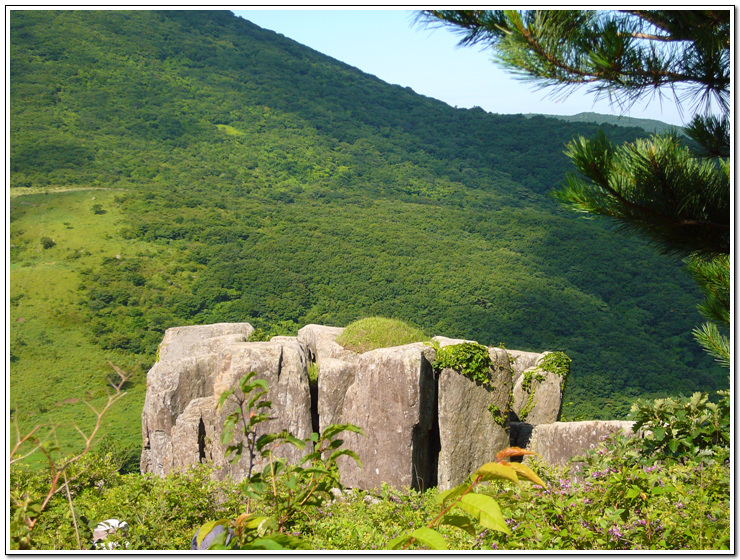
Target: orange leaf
{"type": "Point", "coordinates": [513, 452]}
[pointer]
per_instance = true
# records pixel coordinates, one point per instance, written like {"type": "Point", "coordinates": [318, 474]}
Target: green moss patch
{"type": "Point", "coordinates": [378, 332]}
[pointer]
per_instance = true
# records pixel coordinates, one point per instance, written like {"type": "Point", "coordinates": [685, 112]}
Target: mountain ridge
{"type": "Point", "coordinates": [253, 179]}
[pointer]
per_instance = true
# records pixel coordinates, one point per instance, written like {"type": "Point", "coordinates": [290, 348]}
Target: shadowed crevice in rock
{"type": "Point", "coordinates": [201, 441]}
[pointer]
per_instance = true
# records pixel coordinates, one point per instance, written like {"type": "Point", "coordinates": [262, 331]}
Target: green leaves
{"type": "Point", "coordinates": [424, 536]}
{"type": "Point", "coordinates": [493, 471]}
{"type": "Point", "coordinates": [485, 510]}
{"type": "Point", "coordinates": [469, 358]}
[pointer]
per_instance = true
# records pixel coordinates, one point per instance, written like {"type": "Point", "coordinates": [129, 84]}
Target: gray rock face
{"type": "Point", "coordinates": [523, 360]}
{"type": "Point", "coordinates": [282, 364]}
{"type": "Point", "coordinates": [392, 397]}
{"type": "Point", "coordinates": [558, 442]}
{"type": "Point", "coordinates": [470, 434]}
{"type": "Point", "coordinates": [180, 424]}
{"type": "Point", "coordinates": [537, 396]}
{"type": "Point", "coordinates": [183, 342]}
{"type": "Point", "coordinates": [420, 430]}
{"type": "Point", "coordinates": [319, 342]}
{"type": "Point", "coordinates": [335, 377]}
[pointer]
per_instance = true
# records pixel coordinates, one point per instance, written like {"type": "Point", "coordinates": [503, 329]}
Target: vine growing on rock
{"type": "Point", "coordinates": [469, 358]}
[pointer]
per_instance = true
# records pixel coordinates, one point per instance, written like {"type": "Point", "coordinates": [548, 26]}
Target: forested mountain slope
{"type": "Point", "coordinates": [649, 125]}
{"type": "Point", "coordinates": [241, 176]}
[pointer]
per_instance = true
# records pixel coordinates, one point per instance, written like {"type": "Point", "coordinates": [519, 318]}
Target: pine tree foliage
{"type": "Point", "coordinates": [677, 198]}
{"type": "Point", "coordinates": [657, 187]}
{"type": "Point", "coordinates": [623, 55]}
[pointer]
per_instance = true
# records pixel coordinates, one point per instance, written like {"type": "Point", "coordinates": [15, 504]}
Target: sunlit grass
{"type": "Point", "coordinates": [54, 365]}
{"type": "Point", "coordinates": [379, 332]}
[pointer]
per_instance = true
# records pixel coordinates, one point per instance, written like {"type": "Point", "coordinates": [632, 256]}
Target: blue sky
{"type": "Point", "coordinates": [387, 44]}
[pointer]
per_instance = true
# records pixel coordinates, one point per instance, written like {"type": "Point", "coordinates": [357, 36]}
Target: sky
{"type": "Point", "coordinates": [388, 44]}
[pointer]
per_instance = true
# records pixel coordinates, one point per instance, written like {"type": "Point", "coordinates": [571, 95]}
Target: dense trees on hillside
{"type": "Point", "coordinates": [677, 198]}
{"type": "Point", "coordinates": [352, 199]}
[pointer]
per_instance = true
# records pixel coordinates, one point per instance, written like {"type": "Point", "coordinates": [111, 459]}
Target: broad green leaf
{"type": "Point", "coordinates": [265, 543]}
{"type": "Point", "coordinates": [247, 387]}
{"type": "Point", "coordinates": [315, 470]}
{"type": "Point", "coordinates": [347, 452]}
{"type": "Point", "coordinates": [525, 472]}
{"type": "Point", "coordinates": [222, 399]}
{"type": "Point", "coordinates": [236, 450]}
{"type": "Point", "coordinates": [398, 542]}
{"type": "Point", "coordinates": [485, 510]}
{"type": "Point", "coordinates": [254, 398]}
{"type": "Point", "coordinates": [291, 482]}
{"type": "Point", "coordinates": [288, 438]}
{"type": "Point", "coordinates": [208, 527]}
{"type": "Point", "coordinates": [265, 439]}
{"type": "Point", "coordinates": [333, 429]}
{"type": "Point", "coordinates": [461, 522]}
{"type": "Point", "coordinates": [290, 542]}
{"type": "Point", "coordinates": [494, 471]}
{"type": "Point", "coordinates": [258, 418]}
{"type": "Point", "coordinates": [335, 443]}
{"type": "Point", "coordinates": [228, 432]}
{"type": "Point", "coordinates": [452, 493]}
{"type": "Point", "coordinates": [659, 433]}
{"type": "Point", "coordinates": [430, 538]}
{"type": "Point", "coordinates": [259, 487]}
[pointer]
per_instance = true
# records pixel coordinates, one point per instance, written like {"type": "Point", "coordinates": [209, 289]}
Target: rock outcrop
{"type": "Point", "coordinates": [538, 394]}
{"type": "Point", "coordinates": [422, 427]}
{"type": "Point", "coordinates": [180, 423]}
{"type": "Point", "coordinates": [392, 397]}
{"type": "Point", "coordinates": [558, 442]}
{"type": "Point", "coordinates": [473, 419]}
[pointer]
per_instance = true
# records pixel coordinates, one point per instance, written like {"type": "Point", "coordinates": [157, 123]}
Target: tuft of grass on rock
{"type": "Point", "coordinates": [378, 332]}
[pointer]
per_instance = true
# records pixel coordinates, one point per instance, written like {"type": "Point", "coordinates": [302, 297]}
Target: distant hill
{"type": "Point", "coordinates": [200, 169]}
{"type": "Point", "coordinates": [649, 125]}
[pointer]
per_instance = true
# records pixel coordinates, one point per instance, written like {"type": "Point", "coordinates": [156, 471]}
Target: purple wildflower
{"type": "Point", "coordinates": [615, 533]}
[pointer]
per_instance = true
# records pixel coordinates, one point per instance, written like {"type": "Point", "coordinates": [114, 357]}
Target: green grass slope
{"type": "Point", "coordinates": [239, 176]}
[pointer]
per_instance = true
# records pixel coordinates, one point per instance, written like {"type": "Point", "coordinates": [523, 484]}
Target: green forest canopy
{"type": "Point", "coordinates": [244, 177]}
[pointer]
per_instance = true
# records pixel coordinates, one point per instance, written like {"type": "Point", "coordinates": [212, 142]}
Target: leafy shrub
{"type": "Point", "coordinates": [557, 363]}
{"type": "Point", "coordinates": [469, 358]}
{"type": "Point", "coordinates": [681, 428]}
{"type": "Point", "coordinates": [280, 490]}
{"type": "Point", "coordinates": [378, 332]}
{"type": "Point", "coordinates": [481, 507]}
{"type": "Point", "coordinates": [47, 242]}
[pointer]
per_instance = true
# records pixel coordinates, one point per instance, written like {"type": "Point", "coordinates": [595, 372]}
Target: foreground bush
{"type": "Point", "coordinates": [617, 501]}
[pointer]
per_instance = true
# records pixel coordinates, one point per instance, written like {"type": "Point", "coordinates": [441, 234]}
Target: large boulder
{"type": "Point", "coordinates": [537, 395]}
{"type": "Point", "coordinates": [473, 419]}
{"type": "Point", "coordinates": [320, 343]}
{"type": "Point", "coordinates": [335, 377]}
{"type": "Point", "coordinates": [282, 363]}
{"type": "Point", "coordinates": [180, 424]}
{"type": "Point", "coordinates": [393, 398]}
{"type": "Point", "coordinates": [183, 342]}
{"type": "Point", "coordinates": [171, 386]}
{"type": "Point", "coordinates": [558, 442]}
{"type": "Point", "coordinates": [521, 361]}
